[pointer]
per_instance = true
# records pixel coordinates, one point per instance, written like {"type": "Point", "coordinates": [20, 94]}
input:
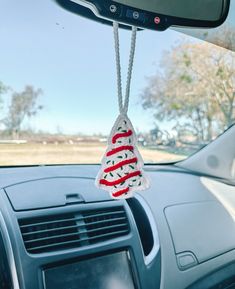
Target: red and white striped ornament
{"type": "Point", "coordinates": [121, 172]}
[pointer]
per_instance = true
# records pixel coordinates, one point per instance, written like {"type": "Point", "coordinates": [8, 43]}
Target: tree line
{"type": "Point", "coordinates": [194, 88]}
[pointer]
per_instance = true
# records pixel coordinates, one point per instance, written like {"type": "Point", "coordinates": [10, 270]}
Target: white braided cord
{"type": "Point", "coordinates": [123, 106]}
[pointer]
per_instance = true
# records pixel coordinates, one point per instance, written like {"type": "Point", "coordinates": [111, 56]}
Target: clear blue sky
{"type": "Point", "coordinates": [72, 60]}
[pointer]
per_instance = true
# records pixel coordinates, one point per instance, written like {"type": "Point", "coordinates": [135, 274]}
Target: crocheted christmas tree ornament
{"type": "Point", "coordinates": [121, 172]}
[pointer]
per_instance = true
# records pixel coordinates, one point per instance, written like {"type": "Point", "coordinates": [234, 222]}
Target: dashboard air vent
{"type": "Point", "coordinates": [59, 232]}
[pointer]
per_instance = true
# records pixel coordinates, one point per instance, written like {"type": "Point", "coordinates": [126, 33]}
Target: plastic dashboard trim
{"type": "Point", "coordinates": [9, 251]}
{"type": "Point", "coordinates": [156, 243]}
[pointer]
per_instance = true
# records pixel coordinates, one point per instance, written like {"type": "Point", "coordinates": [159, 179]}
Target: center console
{"type": "Point", "coordinates": [62, 236]}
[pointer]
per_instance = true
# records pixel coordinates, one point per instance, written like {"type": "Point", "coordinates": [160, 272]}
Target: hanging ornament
{"type": "Point", "coordinates": [121, 172]}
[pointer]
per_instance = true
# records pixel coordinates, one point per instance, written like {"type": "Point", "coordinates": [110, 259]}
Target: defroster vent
{"type": "Point", "coordinates": [65, 231]}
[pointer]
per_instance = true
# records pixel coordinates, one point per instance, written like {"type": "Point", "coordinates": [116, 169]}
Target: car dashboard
{"type": "Point", "coordinates": [57, 230]}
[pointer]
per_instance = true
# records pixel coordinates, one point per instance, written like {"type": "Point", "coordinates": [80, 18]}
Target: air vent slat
{"type": "Point", "coordinates": [69, 220]}
{"type": "Point", "coordinates": [107, 228]}
{"type": "Point", "coordinates": [48, 230]}
{"type": "Point", "coordinates": [52, 237]}
{"type": "Point", "coordinates": [106, 235]}
{"type": "Point", "coordinates": [79, 241]}
{"type": "Point", "coordinates": [87, 215]}
{"type": "Point", "coordinates": [43, 248]}
{"type": "Point", "coordinates": [52, 222]}
{"type": "Point", "coordinates": [105, 221]}
{"type": "Point", "coordinates": [51, 233]}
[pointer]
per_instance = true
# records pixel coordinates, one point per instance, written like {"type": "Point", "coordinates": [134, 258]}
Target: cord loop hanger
{"type": "Point", "coordinates": [124, 103]}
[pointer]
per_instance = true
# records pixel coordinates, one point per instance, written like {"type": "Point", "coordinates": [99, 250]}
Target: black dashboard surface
{"type": "Point", "coordinates": [196, 232]}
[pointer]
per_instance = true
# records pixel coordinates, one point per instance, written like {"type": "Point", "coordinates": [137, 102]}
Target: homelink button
{"type": "Point", "coordinates": [135, 15]}
{"type": "Point", "coordinates": [113, 8]}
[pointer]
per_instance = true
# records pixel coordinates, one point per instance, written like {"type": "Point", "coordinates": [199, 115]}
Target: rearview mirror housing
{"type": "Point", "coordinates": [152, 14]}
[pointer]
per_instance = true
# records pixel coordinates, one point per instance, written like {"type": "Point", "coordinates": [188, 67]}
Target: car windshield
{"type": "Point", "coordinates": [58, 96]}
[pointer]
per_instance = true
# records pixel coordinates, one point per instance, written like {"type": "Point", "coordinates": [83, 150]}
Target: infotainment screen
{"type": "Point", "coordinates": [106, 272]}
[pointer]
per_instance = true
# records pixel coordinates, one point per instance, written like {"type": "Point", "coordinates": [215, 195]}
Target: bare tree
{"type": "Point", "coordinates": [3, 89]}
{"type": "Point", "coordinates": [195, 88]}
{"type": "Point", "coordinates": [23, 105]}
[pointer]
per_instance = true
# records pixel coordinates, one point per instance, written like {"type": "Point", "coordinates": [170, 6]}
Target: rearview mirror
{"type": "Point", "coordinates": [153, 14]}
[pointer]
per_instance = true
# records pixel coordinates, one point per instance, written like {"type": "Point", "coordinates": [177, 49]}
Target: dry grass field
{"type": "Point", "coordinates": [84, 153]}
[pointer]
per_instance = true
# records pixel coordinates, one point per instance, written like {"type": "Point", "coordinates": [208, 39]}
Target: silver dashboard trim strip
{"type": "Point", "coordinates": [9, 251]}
{"type": "Point", "coordinates": [86, 4]}
{"type": "Point", "coordinates": [156, 242]}
{"type": "Point", "coordinates": [93, 8]}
